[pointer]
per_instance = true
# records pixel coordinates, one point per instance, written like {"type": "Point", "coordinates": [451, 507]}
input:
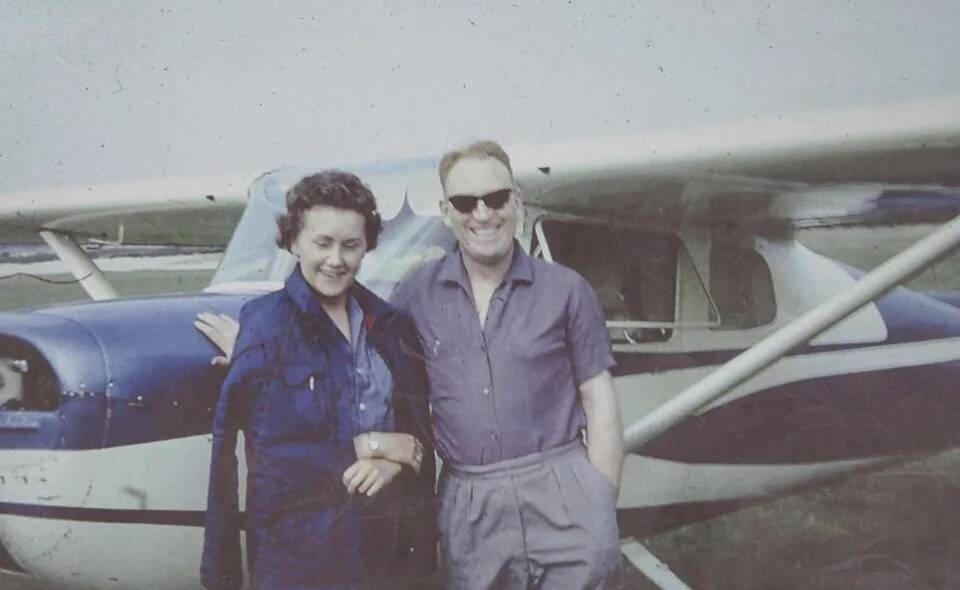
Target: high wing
{"type": "Point", "coordinates": [887, 164]}
{"type": "Point", "coordinates": [878, 165]}
{"type": "Point", "coordinates": [171, 210]}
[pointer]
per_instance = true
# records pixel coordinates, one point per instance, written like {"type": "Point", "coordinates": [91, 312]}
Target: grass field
{"type": "Point", "coordinates": [21, 291]}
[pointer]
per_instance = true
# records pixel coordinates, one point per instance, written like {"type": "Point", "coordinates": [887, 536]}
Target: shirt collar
{"type": "Point", "coordinates": [452, 269]}
{"type": "Point", "coordinates": [308, 301]}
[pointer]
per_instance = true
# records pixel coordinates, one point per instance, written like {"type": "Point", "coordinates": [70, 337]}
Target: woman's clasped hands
{"type": "Point", "coordinates": [380, 458]}
{"type": "Point", "coordinates": [369, 476]}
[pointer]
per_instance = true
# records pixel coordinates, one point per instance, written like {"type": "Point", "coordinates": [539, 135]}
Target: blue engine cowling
{"type": "Point", "coordinates": [111, 373]}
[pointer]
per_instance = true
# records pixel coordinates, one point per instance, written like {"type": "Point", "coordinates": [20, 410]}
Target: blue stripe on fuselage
{"type": "Point", "coordinates": [911, 316]}
{"type": "Point", "coordinates": [638, 522]}
{"type": "Point", "coordinates": [824, 418]}
{"type": "Point", "coordinates": [105, 515]}
{"type": "Point", "coordinates": [859, 415]}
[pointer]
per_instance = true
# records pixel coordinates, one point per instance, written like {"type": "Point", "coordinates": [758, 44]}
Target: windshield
{"type": "Point", "coordinates": [413, 233]}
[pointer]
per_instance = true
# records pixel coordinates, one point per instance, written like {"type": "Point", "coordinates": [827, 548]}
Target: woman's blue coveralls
{"type": "Point", "coordinates": [290, 389]}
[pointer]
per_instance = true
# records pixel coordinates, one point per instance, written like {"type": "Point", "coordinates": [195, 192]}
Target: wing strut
{"type": "Point", "coordinates": [871, 286]}
{"type": "Point", "coordinates": [86, 272]}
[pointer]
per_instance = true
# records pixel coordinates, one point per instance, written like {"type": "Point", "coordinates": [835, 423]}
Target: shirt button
{"type": "Point", "coordinates": [494, 436]}
{"type": "Point", "coordinates": [486, 391]}
{"type": "Point", "coordinates": [363, 406]}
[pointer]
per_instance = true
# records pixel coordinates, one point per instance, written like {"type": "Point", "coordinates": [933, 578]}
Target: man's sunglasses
{"type": "Point", "coordinates": [467, 203]}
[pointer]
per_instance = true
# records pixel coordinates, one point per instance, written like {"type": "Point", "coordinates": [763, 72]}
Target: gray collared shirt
{"type": "Point", "coordinates": [507, 388]}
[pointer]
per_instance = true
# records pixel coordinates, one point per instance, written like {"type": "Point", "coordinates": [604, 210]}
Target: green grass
{"type": "Point", "coordinates": [26, 292]}
{"type": "Point", "coordinates": [887, 530]}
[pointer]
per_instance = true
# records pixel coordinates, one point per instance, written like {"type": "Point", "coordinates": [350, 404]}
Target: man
{"type": "Point", "coordinates": [518, 359]}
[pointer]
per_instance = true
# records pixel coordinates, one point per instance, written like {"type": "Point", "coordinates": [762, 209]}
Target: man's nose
{"type": "Point", "coordinates": [481, 212]}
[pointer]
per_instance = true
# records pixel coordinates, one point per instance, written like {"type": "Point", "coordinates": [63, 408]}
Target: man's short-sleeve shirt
{"type": "Point", "coordinates": [507, 388]}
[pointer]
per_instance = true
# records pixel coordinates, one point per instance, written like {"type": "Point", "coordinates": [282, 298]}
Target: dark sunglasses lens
{"type": "Point", "coordinates": [464, 203]}
{"type": "Point", "coordinates": [467, 203]}
{"type": "Point", "coordinates": [496, 200]}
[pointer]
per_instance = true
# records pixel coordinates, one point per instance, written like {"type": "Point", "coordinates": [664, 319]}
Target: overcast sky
{"type": "Point", "coordinates": [121, 90]}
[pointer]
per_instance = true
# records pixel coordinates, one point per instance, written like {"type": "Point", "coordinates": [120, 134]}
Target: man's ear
{"type": "Point", "coordinates": [294, 250]}
{"type": "Point", "coordinates": [517, 189]}
{"type": "Point", "coordinates": [521, 214]}
{"type": "Point", "coordinates": [445, 212]}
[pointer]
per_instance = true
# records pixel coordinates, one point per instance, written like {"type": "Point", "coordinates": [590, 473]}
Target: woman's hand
{"type": "Point", "coordinates": [398, 447]}
{"type": "Point", "coordinates": [222, 330]}
{"type": "Point", "coordinates": [369, 476]}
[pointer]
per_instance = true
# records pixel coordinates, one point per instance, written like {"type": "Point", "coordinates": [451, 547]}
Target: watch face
{"type": "Point", "coordinates": [374, 444]}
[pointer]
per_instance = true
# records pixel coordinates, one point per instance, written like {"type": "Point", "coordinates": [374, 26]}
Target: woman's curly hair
{"type": "Point", "coordinates": [332, 188]}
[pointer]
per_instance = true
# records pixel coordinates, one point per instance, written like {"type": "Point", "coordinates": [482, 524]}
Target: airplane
{"type": "Point", "coordinates": [688, 238]}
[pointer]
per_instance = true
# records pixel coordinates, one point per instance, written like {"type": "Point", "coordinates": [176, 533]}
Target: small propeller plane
{"type": "Point", "coordinates": [688, 238]}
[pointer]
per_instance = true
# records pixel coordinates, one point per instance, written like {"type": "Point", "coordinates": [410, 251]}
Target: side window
{"type": "Point", "coordinates": [633, 272]}
{"type": "Point", "coordinates": [741, 287]}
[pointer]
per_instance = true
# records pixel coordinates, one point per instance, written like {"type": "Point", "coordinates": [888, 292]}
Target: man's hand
{"type": "Point", "coordinates": [222, 330]}
{"type": "Point", "coordinates": [397, 447]}
{"type": "Point", "coordinates": [369, 476]}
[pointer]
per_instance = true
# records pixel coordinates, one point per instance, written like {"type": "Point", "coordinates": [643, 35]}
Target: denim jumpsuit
{"type": "Point", "coordinates": [290, 388]}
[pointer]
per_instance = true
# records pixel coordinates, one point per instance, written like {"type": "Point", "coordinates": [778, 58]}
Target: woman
{"type": "Point", "coordinates": [326, 385]}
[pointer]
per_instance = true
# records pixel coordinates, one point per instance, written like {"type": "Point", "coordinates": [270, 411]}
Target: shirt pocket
{"type": "Point", "coordinates": [301, 403]}
{"type": "Point", "coordinates": [445, 347]}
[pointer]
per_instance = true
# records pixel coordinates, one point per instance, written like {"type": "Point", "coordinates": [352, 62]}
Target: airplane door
{"type": "Point", "coordinates": [677, 306]}
{"type": "Point", "coordinates": [655, 287]}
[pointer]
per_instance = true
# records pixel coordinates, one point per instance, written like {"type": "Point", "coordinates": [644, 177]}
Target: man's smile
{"type": "Point", "coordinates": [486, 232]}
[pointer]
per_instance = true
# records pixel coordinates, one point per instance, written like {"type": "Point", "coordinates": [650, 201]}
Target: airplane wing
{"type": "Point", "coordinates": [171, 210]}
{"type": "Point", "coordinates": [888, 164]}
{"type": "Point", "coordinates": [865, 166]}
{"type": "Point", "coordinates": [879, 165]}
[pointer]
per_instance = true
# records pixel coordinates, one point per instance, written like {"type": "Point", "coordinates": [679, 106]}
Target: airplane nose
{"type": "Point", "coordinates": [53, 384]}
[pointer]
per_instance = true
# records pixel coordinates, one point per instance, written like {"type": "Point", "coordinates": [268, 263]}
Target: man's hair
{"type": "Point", "coordinates": [477, 149]}
{"type": "Point", "coordinates": [331, 188]}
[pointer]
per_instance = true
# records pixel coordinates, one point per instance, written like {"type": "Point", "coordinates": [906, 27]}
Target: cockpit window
{"type": "Point", "coordinates": [741, 286]}
{"type": "Point", "coordinates": [252, 254]}
{"type": "Point", "coordinates": [408, 239]}
{"type": "Point", "coordinates": [633, 272]}
{"type": "Point", "coordinates": [652, 283]}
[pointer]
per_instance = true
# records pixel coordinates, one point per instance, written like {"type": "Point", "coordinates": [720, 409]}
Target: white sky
{"type": "Point", "coordinates": [120, 90]}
